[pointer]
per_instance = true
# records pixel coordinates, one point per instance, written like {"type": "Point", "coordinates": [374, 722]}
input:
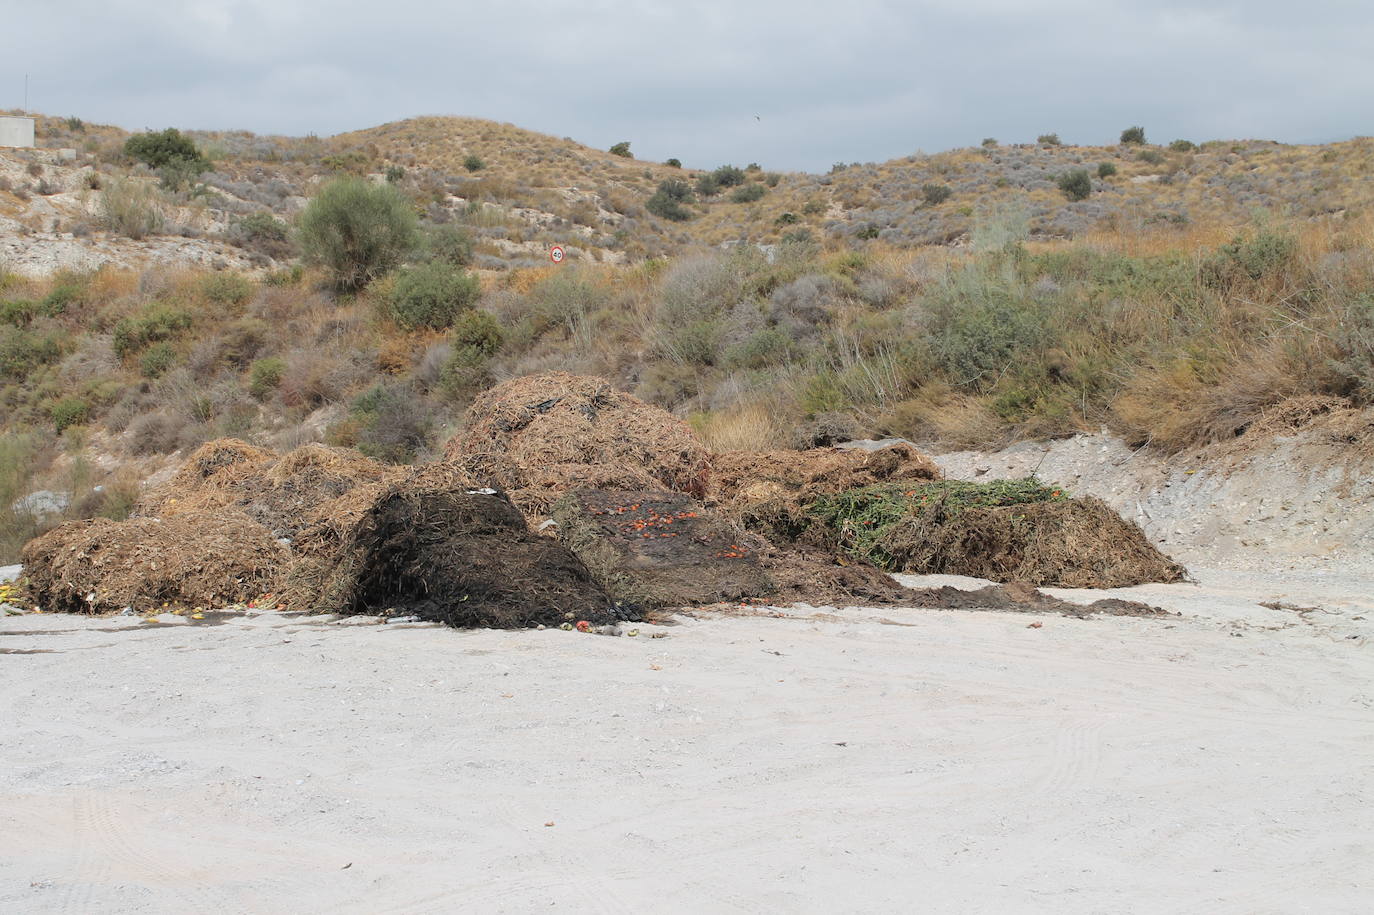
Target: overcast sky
{"type": "Point", "coordinates": [792, 85]}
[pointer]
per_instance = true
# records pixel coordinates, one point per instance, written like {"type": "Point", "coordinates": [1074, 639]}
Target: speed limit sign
{"type": "Point", "coordinates": [556, 254]}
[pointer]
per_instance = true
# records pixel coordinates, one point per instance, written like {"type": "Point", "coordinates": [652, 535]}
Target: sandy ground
{"type": "Point", "coordinates": [1219, 760]}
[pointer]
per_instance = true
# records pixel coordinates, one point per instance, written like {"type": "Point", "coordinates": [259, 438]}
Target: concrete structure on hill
{"type": "Point", "coordinates": [16, 131]}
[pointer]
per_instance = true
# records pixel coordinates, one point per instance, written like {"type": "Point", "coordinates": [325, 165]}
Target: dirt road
{"type": "Point", "coordinates": [837, 761]}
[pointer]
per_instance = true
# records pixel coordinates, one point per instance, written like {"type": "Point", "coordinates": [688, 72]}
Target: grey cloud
{"type": "Point", "coordinates": [857, 80]}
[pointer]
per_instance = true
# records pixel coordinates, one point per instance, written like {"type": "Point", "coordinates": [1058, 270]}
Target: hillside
{"type": "Point", "coordinates": [958, 299]}
{"type": "Point", "coordinates": [519, 192]}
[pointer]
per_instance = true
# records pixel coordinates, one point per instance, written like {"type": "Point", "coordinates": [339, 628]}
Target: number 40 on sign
{"type": "Point", "coordinates": [556, 254]}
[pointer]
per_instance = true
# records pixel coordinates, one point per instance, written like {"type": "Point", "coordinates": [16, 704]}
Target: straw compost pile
{"type": "Point", "coordinates": [207, 559]}
{"type": "Point", "coordinates": [285, 493]}
{"type": "Point", "coordinates": [541, 436]}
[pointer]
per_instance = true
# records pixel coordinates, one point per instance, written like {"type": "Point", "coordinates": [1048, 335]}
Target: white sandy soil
{"type": "Point", "coordinates": [1221, 760]}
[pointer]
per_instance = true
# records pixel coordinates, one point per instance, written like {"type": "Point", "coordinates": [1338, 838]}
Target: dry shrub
{"type": "Point", "coordinates": [466, 559]}
{"type": "Point", "coordinates": [1078, 543]}
{"type": "Point", "coordinates": [541, 436]}
{"type": "Point", "coordinates": [207, 559]}
{"type": "Point", "coordinates": [938, 414]}
{"type": "Point", "coordinates": [1175, 408]}
{"type": "Point", "coordinates": [753, 427]}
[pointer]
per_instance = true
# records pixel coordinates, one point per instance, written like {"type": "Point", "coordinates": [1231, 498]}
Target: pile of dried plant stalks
{"type": "Point", "coordinates": [541, 436]}
{"type": "Point", "coordinates": [206, 559]}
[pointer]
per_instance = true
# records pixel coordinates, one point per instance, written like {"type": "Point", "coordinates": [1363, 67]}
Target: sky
{"type": "Point", "coordinates": [790, 85]}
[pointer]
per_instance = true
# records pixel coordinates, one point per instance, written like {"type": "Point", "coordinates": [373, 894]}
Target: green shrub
{"type": "Point", "coordinates": [1152, 156]}
{"type": "Point", "coordinates": [450, 245]}
{"type": "Point", "coordinates": [867, 233]}
{"type": "Point", "coordinates": [787, 219]}
{"type": "Point", "coordinates": [66, 292]}
{"type": "Point", "coordinates": [265, 375]}
{"type": "Point", "coordinates": [771, 179]}
{"type": "Point", "coordinates": [622, 149]}
{"type": "Point", "coordinates": [674, 163]}
{"type": "Point", "coordinates": [982, 331]}
{"type": "Point", "coordinates": [1106, 170]}
{"type": "Point", "coordinates": [264, 232]}
{"type": "Point", "coordinates": [395, 174]}
{"type": "Point", "coordinates": [474, 163]}
{"type": "Point", "coordinates": [1048, 139]}
{"type": "Point", "coordinates": [19, 312]}
{"type": "Point", "coordinates": [990, 142]}
{"type": "Point", "coordinates": [477, 336]}
{"type": "Point", "coordinates": [935, 194]}
{"type": "Point", "coordinates": [431, 295]}
{"type": "Point", "coordinates": [157, 359]}
{"type": "Point", "coordinates": [22, 351]}
{"type": "Point", "coordinates": [131, 208]}
{"type": "Point", "coordinates": [166, 148]}
{"type": "Point", "coordinates": [748, 193]}
{"type": "Point", "coordinates": [707, 185]}
{"type": "Point", "coordinates": [153, 323]}
{"type": "Point", "coordinates": [668, 201]}
{"type": "Point", "coordinates": [770, 346]}
{"type": "Point", "coordinates": [1076, 184]}
{"type": "Point", "coordinates": [1133, 136]}
{"type": "Point", "coordinates": [1265, 255]}
{"type": "Point", "coordinates": [358, 231]}
{"type": "Point", "coordinates": [392, 423]}
{"type": "Point", "coordinates": [69, 411]}
{"type": "Point", "coordinates": [478, 331]}
{"type": "Point", "coordinates": [1182, 146]}
{"type": "Point", "coordinates": [226, 290]}
{"type": "Point", "coordinates": [729, 176]}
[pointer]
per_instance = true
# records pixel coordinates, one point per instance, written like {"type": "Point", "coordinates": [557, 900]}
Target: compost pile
{"type": "Point", "coordinates": [541, 436]}
{"type": "Point", "coordinates": [98, 566]}
{"type": "Point", "coordinates": [464, 558]}
{"type": "Point", "coordinates": [643, 518]}
{"type": "Point", "coordinates": [1015, 530]}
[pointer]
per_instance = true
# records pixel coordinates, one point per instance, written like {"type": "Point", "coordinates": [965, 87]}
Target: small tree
{"type": "Point", "coordinates": [622, 149]}
{"type": "Point", "coordinates": [1106, 170]}
{"type": "Point", "coordinates": [674, 163]}
{"type": "Point", "coordinates": [474, 163]}
{"type": "Point", "coordinates": [670, 199]}
{"type": "Point", "coordinates": [989, 142]}
{"type": "Point", "coordinates": [1133, 136]}
{"type": "Point", "coordinates": [707, 185]}
{"type": "Point", "coordinates": [1076, 184]}
{"type": "Point", "coordinates": [1048, 139]}
{"type": "Point", "coordinates": [358, 231]}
